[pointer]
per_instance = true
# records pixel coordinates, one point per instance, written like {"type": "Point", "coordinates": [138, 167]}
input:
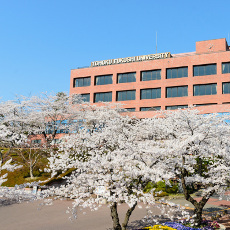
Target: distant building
{"type": "Point", "coordinates": [160, 81]}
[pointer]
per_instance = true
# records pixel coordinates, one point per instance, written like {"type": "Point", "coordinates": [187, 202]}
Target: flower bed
{"type": "Point", "coordinates": [206, 225]}
{"type": "Point", "coordinates": [179, 226]}
{"type": "Point", "coordinates": [155, 227]}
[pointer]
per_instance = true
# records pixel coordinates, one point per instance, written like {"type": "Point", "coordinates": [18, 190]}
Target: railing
{"type": "Point", "coordinates": [83, 67]}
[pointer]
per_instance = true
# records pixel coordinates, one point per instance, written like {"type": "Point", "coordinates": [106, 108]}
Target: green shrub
{"type": "Point", "coordinates": [172, 189]}
{"type": "Point", "coordinates": [160, 194]}
{"type": "Point", "coordinates": [161, 186]}
{"type": "Point", "coordinates": [149, 187]}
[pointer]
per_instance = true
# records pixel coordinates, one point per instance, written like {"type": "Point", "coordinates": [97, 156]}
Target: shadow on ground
{"type": "Point", "coordinates": [140, 224]}
{"type": "Point", "coordinates": [7, 201]}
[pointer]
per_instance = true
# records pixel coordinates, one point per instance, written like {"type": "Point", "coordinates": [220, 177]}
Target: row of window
{"type": "Point", "coordinates": [180, 72]}
{"type": "Point", "coordinates": [178, 91]}
{"type": "Point", "coordinates": [36, 141]}
{"type": "Point", "coordinates": [39, 141]}
{"type": "Point", "coordinates": [171, 107]}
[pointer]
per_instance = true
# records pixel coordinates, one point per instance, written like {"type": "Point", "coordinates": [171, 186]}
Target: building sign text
{"type": "Point", "coordinates": [131, 59]}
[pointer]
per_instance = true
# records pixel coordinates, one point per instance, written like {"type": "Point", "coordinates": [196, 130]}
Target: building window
{"type": "Point", "coordinates": [179, 91]}
{"type": "Point", "coordinates": [38, 141]}
{"type": "Point", "coordinates": [75, 99]}
{"type": "Point", "coordinates": [62, 126]}
{"type": "Point", "coordinates": [150, 93]}
{"type": "Point", "coordinates": [82, 82]}
{"type": "Point", "coordinates": [173, 107]}
{"type": "Point", "coordinates": [76, 125]}
{"type": "Point", "coordinates": [226, 67]}
{"type": "Point", "coordinates": [126, 95]}
{"type": "Point", "coordinates": [202, 70]}
{"type": "Point", "coordinates": [85, 97]}
{"type": "Point", "coordinates": [226, 87]}
{"type": "Point", "coordinates": [103, 97]}
{"type": "Point", "coordinates": [151, 75]}
{"type": "Point", "coordinates": [200, 90]}
{"type": "Point", "coordinates": [177, 72]}
{"type": "Point", "coordinates": [104, 80]}
{"type": "Point", "coordinates": [131, 109]}
{"type": "Point", "coordinates": [198, 105]}
{"type": "Point", "coordinates": [56, 141]}
{"type": "Point", "coordinates": [155, 108]}
{"type": "Point", "coordinates": [126, 77]}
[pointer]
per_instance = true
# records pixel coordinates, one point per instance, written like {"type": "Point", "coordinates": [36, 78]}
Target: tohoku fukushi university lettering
{"type": "Point", "coordinates": [131, 59]}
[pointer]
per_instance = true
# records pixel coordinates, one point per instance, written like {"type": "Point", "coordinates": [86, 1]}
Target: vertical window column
{"type": "Point", "coordinates": [163, 89]}
{"type": "Point", "coordinates": [190, 77]}
{"type": "Point", "coordinates": [138, 76]}
{"type": "Point", "coordinates": [163, 74]}
{"type": "Point", "coordinates": [138, 80]}
{"type": "Point", "coordinates": [91, 97]}
{"type": "Point", "coordinates": [219, 87]}
{"type": "Point", "coordinates": [114, 92]}
{"type": "Point", "coordinates": [138, 94]}
{"type": "Point", "coordinates": [218, 68]}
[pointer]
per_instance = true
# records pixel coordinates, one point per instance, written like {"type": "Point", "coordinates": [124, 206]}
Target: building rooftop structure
{"type": "Point", "coordinates": [164, 81]}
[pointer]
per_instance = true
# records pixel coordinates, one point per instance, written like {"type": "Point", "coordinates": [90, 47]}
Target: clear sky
{"type": "Point", "coordinates": [42, 40]}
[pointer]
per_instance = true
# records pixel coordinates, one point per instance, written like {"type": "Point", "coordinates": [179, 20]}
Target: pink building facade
{"type": "Point", "coordinates": [164, 81]}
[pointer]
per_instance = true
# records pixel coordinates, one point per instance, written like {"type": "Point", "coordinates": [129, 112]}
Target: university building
{"type": "Point", "coordinates": [144, 84]}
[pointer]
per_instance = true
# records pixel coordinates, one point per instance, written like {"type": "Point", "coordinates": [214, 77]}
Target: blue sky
{"type": "Point", "coordinates": [42, 40]}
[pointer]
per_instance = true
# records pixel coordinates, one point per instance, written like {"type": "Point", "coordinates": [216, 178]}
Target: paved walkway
{"type": "Point", "coordinates": [30, 216]}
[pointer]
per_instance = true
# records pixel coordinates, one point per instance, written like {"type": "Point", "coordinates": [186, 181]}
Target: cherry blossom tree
{"type": "Point", "coordinates": [113, 156]}
{"type": "Point", "coordinates": [36, 117]}
{"type": "Point", "coordinates": [26, 117]}
{"type": "Point", "coordinates": [192, 148]}
{"type": "Point", "coordinates": [44, 114]}
{"type": "Point", "coordinates": [122, 154]}
{"type": "Point", "coordinates": [13, 122]}
{"type": "Point", "coordinates": [13, 126]}
{"type": "Point", "coordinates": [104, 153]}
{"type": "Point", "coordinates": [53, 114]}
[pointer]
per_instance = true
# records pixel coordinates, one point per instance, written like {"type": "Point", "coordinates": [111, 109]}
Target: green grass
{"type": "Point", "coordinates": [22, 175]}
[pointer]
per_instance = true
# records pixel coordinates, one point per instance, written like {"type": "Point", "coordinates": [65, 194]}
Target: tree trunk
{"type": "Point", "coordinates": [31, 172]}
{"type": "Point", "coordinates": [31, 164]}
{"type": "Point", "coordinates": [1, 157]}
{"type": "Point", "coordinates": [198, 205]}
{"type": "Point", "coordinates": [127, 216]}
{"type": "Point", "coordinates": [198, 212]}
{"type": "Point", "coordinates": [115, 217]}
